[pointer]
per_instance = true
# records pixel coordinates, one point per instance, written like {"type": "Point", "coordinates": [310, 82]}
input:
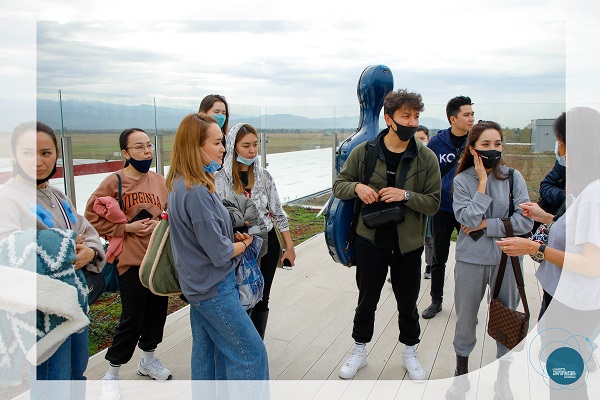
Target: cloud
{"type": "Point", "coordinates": [312, 62]}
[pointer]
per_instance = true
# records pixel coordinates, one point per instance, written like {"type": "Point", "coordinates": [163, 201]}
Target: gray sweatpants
{"type": "Point", "coordinates": [470, 282]}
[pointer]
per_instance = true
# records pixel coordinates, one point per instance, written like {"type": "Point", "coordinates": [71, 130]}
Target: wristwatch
{"type": "Point", "coordinates": [95, 257]}
{"type": "Point", "coordinates": [406, 196]}
{"type": "Point", "coordinates": [539, 256]}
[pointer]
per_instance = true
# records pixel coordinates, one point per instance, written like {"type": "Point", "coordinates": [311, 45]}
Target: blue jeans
{"type": "Point", "coordinates": [68, 363]}
{"type": "Point", "coordinates": [225, 344]}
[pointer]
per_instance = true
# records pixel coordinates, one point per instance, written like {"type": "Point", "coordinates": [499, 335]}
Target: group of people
{"type": "Point", "coordinates": [227, 339]}
{"type": "Point", "coordinates": [458, 180]}
{"type": "Point", "coordinates": [455, 180]}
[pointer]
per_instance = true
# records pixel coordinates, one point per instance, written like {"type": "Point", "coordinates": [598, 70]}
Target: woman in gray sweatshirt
{"type": "Point", "coordinates": [481, 197]}
{"type": "Point", "coordinates": [225, 344]}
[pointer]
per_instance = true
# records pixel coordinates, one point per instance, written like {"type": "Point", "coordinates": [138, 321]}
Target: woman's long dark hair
{"type": "Point", "coordinates": [466, 160]}
{"type": "Point", "coordinates": [238, 185]}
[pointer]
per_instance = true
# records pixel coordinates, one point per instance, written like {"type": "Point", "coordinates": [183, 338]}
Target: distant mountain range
{"type": "Point", "coordinates": [95, 115]}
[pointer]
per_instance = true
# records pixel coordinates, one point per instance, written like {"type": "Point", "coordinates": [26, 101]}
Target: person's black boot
{"type": "Point", "coordinates": [460, 383]}
{"type": "Point", "coordinates": [433, 309]}
{"type": "Point", "coordinates": [259, 319]}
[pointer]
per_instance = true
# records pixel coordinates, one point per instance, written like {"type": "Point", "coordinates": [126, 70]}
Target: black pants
{"type": "Point", "coordinates": [142, 319]}
{"type": "Point", "coordinates": [268, 265]}
{"type": "Point", "coordinates": [442, 225]}
{"type": "Point", "coordinates": [371, 270]}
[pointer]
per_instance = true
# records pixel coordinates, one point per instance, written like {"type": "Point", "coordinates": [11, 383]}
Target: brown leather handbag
{"type": "Point", "coordinates": [507, 326]}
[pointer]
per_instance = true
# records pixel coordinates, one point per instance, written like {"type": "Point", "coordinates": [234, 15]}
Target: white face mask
{"type": "Point", "coordinates": [246, 161]}
{"type": "Point", "coordinates": [562, 160]}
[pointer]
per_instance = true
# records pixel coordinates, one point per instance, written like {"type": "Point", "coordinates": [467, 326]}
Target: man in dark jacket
{"type": "Point", "coordinates": [447, 145]}
{"type": "Point", "coordinates": [397, 247]}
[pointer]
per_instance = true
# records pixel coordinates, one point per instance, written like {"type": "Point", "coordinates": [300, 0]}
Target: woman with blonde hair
{"type": "Point", "coordinates": [225, 345]}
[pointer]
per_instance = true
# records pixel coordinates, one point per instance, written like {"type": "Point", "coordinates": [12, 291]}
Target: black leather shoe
{"type": "Point", "coordinates": [433, 309]}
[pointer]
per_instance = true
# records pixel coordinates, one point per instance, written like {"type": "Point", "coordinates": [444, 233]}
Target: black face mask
{"type": "Point", "coordinates": [404, 133]}
{"type": "Point", "coordinates": [17, 168]}
{"type": "Point", "coordinates": [490, 158]}
{"type": "Point", "coordinates": [46, 179]}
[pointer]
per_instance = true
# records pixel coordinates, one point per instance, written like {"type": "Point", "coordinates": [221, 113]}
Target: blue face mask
{"type": "Point", "coordinates": [142, 166]}
{"type": "Point", "coordinates": [212, 167]}
{"type": "Point", "coordinates": [246, 161]}
{"type": "Point", "coordinates": [220, 119]}
{"type": "Point", "coordinates": [562, 160]}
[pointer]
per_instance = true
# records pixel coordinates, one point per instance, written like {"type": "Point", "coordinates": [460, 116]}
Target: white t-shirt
{"type": "Point", "coordinates": [576, 290]}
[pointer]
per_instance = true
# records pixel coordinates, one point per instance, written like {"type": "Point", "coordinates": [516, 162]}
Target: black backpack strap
{"type": "Point", "coordinates": [120, 191]}
{"type": "Point", "coordinates": [511, 184]}
{"type": "Point", "coordinates": [370, 161]}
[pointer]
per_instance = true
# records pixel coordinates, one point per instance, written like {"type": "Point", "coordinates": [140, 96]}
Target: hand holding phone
{"type": "Point", "coordinates": [287, 264]}
{"type": "Point", "coordinates": [142, 214]}
{"type": "Point", "coordinates": [476, 235]}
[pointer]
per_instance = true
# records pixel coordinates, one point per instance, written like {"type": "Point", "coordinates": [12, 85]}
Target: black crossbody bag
{"type": "Point", "coordinates": [381, 214]}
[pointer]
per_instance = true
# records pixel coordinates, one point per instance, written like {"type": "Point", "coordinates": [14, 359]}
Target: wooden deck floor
{"type": "Point", "coordinates": [308, 338]}
{"type": "Point", "coordinates": [309, 332]}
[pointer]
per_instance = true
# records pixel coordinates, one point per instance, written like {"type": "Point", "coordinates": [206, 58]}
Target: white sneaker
{"type": "Point", "coordinates": [460, 387]}
{"type": "Point", "coordinates": [412, 365]}
{"type": "Point", "coordinates": [357, 360]}
{"type": "Point", "coordinates": [110, 387]}
{"type": "Point", "coordinates": [154, 369]}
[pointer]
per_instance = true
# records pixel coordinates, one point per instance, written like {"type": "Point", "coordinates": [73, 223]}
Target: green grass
{"type": "Point", "coordinates": [304, 223]}
{"type": "Point", "coordinates": [104, 318]}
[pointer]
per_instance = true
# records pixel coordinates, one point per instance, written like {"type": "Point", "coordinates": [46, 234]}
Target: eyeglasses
{"type": "Point", "coordinates": [142, 147]}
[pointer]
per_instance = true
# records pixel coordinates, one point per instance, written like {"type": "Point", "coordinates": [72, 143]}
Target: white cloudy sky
{"type": "Point", "coordinates": [311, 53]}
{"type": "Point", "coordinates": [302, 62]}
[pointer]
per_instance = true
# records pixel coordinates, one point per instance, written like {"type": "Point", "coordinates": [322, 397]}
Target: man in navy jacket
{"type": "Point", "coordinates": [447, 145]}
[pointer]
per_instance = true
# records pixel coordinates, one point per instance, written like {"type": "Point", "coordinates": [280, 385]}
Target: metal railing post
{"type": "Point", "coordinates": [68, 173]}
{"type": "Point", "coordinates": [333, 154]}
{"type": "Point", "coordinates": [158, 152]}
{"type": "Point", "coordinates": [263, 140]}
{"type": "Point", "coordinates": [263, 149]}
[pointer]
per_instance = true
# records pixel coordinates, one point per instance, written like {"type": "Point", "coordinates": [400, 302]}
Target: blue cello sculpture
{"type": "Point", "coordinates": [374, 83]}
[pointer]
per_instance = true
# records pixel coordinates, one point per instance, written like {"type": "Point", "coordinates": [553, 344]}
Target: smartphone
{"type": "Point", "coordinates": [287, 264]}
{"type": "Point", "coordinates": [240, 229]}
{"type": "Point", "coordinates": [475, 235]}
{"type": "Point", "coordinates": [143, 214]}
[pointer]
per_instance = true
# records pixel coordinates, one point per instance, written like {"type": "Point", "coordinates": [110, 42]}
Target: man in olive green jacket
{"type": "Point", "coordinates": [397, 246]}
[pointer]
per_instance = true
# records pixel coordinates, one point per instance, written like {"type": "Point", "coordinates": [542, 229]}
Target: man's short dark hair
{"type": "Point", "coordinates": [423, 129]}
{"type": "Point", "coordinates": [454, 105]}
{"type": "Point", "coordinates": [394, 101]}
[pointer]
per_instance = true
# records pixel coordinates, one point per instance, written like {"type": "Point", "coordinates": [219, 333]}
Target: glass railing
{"type": "Point", "coordinates": [300, 140]}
